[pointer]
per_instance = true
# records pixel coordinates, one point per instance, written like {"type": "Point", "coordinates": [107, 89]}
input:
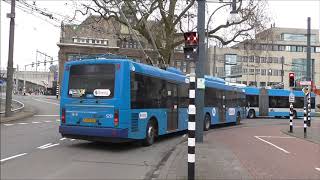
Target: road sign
{"type": "Point", "coordinates": [291, 97]}
{"type": "Point", "coordinates": [305, 83]}
{"type": "Point", "coordinates": [200, 83]}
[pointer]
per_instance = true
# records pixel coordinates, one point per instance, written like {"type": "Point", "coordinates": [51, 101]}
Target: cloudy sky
{"type": "Point", "coordinates": [34, 33]}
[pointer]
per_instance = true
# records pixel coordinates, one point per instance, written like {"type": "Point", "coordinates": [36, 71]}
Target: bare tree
{"type": "Point", "coordinates": [162, 22]}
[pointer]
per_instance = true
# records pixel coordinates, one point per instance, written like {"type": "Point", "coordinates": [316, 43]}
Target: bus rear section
{"type": "Point", "coordinates": [91, 108]}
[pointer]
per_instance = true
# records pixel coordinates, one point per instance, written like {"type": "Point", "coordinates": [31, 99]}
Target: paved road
{"type": "Point", "coordinates": [267, 153]}
{"type": "Point", "coordinates": [33, 149]}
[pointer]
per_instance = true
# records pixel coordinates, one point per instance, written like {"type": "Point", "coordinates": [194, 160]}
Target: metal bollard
{"type": "Point", "coordinates": [57, 91]}
{"type": "Point", "coordinates": [305, 121]}
{"type": "Point", "coordinates": [309, 110]}
{"type": "Point", "coordinates": [191, 128]}
{"type": "Point", "coordinates": [291, 117]}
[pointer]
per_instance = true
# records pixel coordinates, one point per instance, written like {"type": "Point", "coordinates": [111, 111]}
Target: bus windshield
{"type": "Point", "coordinates": [96, 80]}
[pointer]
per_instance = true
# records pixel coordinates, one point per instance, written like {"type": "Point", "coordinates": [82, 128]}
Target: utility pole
{"type": "Point", "coordinates": [308, 51]}
{"type": "Point", "coordinates": [10, 60]}
{"type": "Point", "coordinates": [200, 70]}
{"type": "Point", "coordinates": [282, 72]}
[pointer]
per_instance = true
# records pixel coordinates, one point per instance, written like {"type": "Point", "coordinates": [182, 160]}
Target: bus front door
{"type": "Point", "coordinates": [263, 102]}
{"type": "Point", "coordinates": [172, 106]}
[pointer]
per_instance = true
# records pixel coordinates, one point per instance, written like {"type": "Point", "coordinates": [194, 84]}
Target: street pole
{"type": "Point", "coordinates": [10, 60]}
{"type": "Point", "coordinates": [308, 51]}
{"type": "Point", "coordinates": [200, 70]}
{"type": "Point", "coordinates": [282, 73]}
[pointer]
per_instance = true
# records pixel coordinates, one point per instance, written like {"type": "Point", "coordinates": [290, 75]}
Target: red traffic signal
{"type": "Point", "coordinates": [191, 38]}
{"type": "Point", "coordinates": [291, 79]}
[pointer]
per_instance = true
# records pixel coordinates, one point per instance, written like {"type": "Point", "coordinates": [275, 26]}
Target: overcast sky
{"type": "Point", "coordinates": [32, 33]}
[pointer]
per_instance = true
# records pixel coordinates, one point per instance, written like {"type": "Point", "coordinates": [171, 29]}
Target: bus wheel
{"type": "Point", "coordinates": [150, 134]}
{"type": "Point", "coordinates": [207, 122]}
{"type": "Point", "coordinates": [251, 114]}
{"type": "Point", "coordinates": [295, 116]}
{"type": "Point", "coordinates": [238, 118]}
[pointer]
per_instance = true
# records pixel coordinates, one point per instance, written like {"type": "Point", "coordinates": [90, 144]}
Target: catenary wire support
{"type": "Point", "coordinates": [291, 118]}
{"type": "Point", "coordinates": [309, 109]}
{"type": "Point", "coordinates": [191, 127]}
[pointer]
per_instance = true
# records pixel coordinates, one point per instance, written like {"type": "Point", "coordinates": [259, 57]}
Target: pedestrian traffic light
{"type": "Point", "coordinates": [291, 79]}
{"type": "Point", "coordinates": [191, 39]}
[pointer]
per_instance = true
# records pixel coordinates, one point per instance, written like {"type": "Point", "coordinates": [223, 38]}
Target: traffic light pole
{"type": "Point", "coordinates": [200, 70]}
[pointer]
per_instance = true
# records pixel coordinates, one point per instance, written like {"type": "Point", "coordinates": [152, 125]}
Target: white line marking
{"type": "Point", "coordinates": [8, 124]}
{"type": "Point", "coordinates": [6, 159]}
{"type": "Point", "coordinates": [276, 137]}
{"type": "Point", "coordinates": [58, 120]}
{"type": "Point", "coordinates": [35, 122]}
{"type": "Point", "coordinates": [62, 139]}
{"type": "Point", "coordinates": [50, 146]}
{"type": "Point", "coordinates": [318, 169]}
{"type": "Point", "coordinates": [43, 115]}
{"type": "Point", "coordinates": [272, 144]}
{"type": "Point", "coordinates": [72, 139]}
{"type": "Point", "coordinates": [47, 102]}
{"type": "Point", "coordinates": [47, 121]}
{"type": "Point", "coordinates": [40, 147]}
{"type": "Point", "coordinates": [23, 123]}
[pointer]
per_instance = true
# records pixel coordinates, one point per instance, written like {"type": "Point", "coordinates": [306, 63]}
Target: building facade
{"type": "Point", "coordinates": [268, 59]}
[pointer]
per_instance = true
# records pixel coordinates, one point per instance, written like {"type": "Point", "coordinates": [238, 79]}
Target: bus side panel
{"type": "Point", "coordinates": [183, 119]}
{"type": "Point", "coordinates": [278, 112]}
{"type": "Point", "coordinates": [231, 114]}
{"type": "Point", "coordinates": [140, 118]}
{"type": "Point", "coordinates": [213, 114]}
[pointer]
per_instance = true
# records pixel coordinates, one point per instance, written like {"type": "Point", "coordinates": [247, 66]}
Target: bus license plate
{"type": "Point", "coordinates": [89, 120]}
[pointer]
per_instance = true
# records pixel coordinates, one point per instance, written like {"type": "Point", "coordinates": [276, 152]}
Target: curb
{"type": "Point", "coordinates": [296, 136]}
{"type": "Point", "coordinates": [25, 113]}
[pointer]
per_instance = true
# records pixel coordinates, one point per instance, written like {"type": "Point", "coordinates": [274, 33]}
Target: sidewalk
{"type": "Point", "coordinates": [313, 132]}
{"type": "Point", "coordinates": [213, 161]}
{"type": "Point", "coordinates": [25, 112]}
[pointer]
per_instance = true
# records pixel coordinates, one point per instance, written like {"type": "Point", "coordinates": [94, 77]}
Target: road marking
{"type": "Point", "coordinates": [35, 122]}
{"type": "Point", "coordinates": [45, 147]}
{"type": "Point", "coordinates": [12, 157]}
{"type": "Point", "coordinates": [318, 169]}
{"type": "Point", "coordinates": [72, 139]}
{"type": "Point", "coordinates": [62, 139]}
{"type": "Point", "coordinates": [58, 120]}
{"type": "Point", "coordinates": [284, 137]}
{"type": "Point", "coordinates": [47, 121]}
{"type": "Point", "coordinates": [23, 123]}
{"type": "Point", "coordinates": [44, 115]}
{"type": "Point", "coordinates": [40, 147]}
{"type": "Point", "coordinates": [8, 124]}
{"type": "Point", "coordinates": [258, 137]}
{"type": "Point", "coordinates": [47, 102]}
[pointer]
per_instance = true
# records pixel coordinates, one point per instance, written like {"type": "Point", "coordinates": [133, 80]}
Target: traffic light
{"type": "Point", "coordinates": [191, 39]}
{"type": "Point", "coordinates": [291, 79]}
{"type": "Point", "coordinates": [45, 62]}
{"type": "Point", "coordinates": [32, 64]}
{"type": "Point", "coordinates": [191, 46]}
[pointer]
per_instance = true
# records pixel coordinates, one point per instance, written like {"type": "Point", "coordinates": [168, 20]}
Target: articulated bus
{"type": "Point", "coordinates": [275, 102]}
{"type": "Point", "coordinates": [115, 100]}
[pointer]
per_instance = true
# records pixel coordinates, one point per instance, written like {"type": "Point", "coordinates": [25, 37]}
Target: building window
{"type": "Point", "coordinates": [269, 59]}
{"type": "Point", "coordinates": [245, 70]}
{"type": "Point", "coordinates": [245, 59]}
{"type": "Point", "coordinates": [239, 59]}
{"type": "Point", "coordinates": [257, 59]}
{"type": "Point", "coordinates": [317, 49]}
{"type": "Point", "coordinates": [263, 72]}
{"type": "Point", "coordinates": [263, 60]}
{"type": "Point", "coordinates": [288, 48]}
{"type": "Point", "coordinates": [299, 48]}
{"type": "Point", "coordinates": [178, 65]}
{"type": "Point", "coordinates": [275, 48]}
{"type": "Point", "coordinates": [269, 72]}
{"type": "Point", "coordinates": [257, 71]}
{"type": "Point", "coordinates": [293, 49]}
{"type": "Point", "coordinates": [184, 66]}
{"type": "Point", "coordinates": [275, 60]}
{"type": "Point", "coordinates": [275, 72]}
{"type": "Point", "coordinates": [251, 71]}
{"type": "Point", "coordinates": [282, 48]}
{"type": "Point", "coordinates": [251, 59]}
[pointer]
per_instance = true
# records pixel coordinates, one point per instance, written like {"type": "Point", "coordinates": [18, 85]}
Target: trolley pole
{"type": "Point", "coordinates": [291, 118]}
{"type": "Point", "coordinates": [191, 127]}
{"type": "Point", "coordinates": [10, 60]}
